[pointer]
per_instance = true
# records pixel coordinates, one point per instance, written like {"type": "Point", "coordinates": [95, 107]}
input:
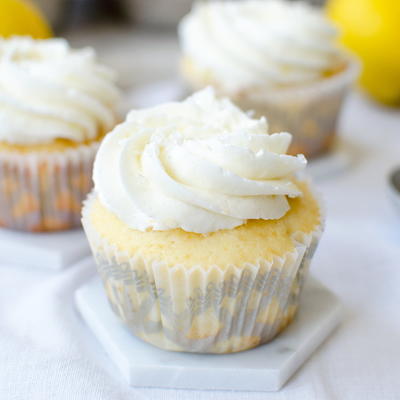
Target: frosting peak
{"type": "Point", "coordinates": [50, 91]}
{"type": "Point", "coordinates": [258, 42]}
{"type": "Point", "coordinates": [200, 165]}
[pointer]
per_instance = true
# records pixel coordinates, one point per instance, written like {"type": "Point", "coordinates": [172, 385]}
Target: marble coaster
{"type": "Point", "coordinates": [265, 368]}
{"type": "Point", "coordinates": [55, 250]}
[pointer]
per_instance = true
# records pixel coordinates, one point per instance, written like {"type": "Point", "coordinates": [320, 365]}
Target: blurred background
{"type": "Point", "coordinates": [155, 14]}
{"type": "Point", "coordinates": [138, 37]}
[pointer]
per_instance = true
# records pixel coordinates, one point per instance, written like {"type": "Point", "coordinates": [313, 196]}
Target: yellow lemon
{"type": "Point", "coordinates": [21, 17]}
{"type": "Point", "coordinates": [371, 29]}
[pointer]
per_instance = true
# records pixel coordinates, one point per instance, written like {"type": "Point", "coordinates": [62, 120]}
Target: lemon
{"type": "Point", "coordinates": [370, 28]}
{"type": "Point", "coordinates": [21, 17]}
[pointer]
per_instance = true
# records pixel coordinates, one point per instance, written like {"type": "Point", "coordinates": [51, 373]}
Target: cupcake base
{"type": "Point", "coordinates": [265, 368]}
{"type": "Point", "coordinates": [43, 191]}
{"type": "Point", "coordinates": [204, 309]}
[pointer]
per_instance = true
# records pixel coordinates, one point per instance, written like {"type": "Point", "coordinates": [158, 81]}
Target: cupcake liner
{"type": "Point", "coordinates": [202, 309]}
{"type": "Point", "coordinates": [42, 191]}
{"type": "Point", "coordinates": [308, 112]}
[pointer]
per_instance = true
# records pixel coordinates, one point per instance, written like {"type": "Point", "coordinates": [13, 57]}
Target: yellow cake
{"type": "Point", "coordinates": [257, 239]}
{"type": "Point", "coordinates": [276, 58]}
{"type": "Point", "coordinates": [55, 146]}
{"type": "Point", "coordinates": [56, 106]}
{"type": "Point", "coordinates": [201, 232]}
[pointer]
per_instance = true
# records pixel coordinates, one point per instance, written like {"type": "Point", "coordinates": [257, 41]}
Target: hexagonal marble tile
{"type": "Point", "coordinates": [55, 250]}
{"type": "Point", "coordinates": [265, 368]}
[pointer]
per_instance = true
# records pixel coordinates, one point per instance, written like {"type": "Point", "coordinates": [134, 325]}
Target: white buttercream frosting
{"type": "Point", "coordinates": [259, 42]}
{"type": "Point", "coordinates": [50, 91]}
{"type": "Point", "coordinates": [200, 165]}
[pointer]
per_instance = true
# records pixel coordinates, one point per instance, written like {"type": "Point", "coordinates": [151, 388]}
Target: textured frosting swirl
{"type": "Point", "coordinates": [50, 91]}
{"type": "Point", "coordinates": [200, 165]}
{"type": "Point", "coordinates": [258, 42]}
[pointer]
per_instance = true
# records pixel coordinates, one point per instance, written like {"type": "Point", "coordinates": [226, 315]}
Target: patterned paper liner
{"type": "Point", "coordinates": [42, 191]}
{"type": "Point", "coordinates": [308, 112]}
{"type": "Point", "coordinates": [197, 309]}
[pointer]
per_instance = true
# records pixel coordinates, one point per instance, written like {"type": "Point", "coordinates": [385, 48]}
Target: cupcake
{"type": "Point", "coordinates": [56, 104]}
{"type": "Point", "coordinates": [277, 58]}
{"type": "Point", "coordinates": [201, 231]}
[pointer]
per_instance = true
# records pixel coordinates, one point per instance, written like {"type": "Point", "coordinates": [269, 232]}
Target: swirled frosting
{"type": "Point", "coordinates": [200, 165]}
{"type": "Point", "coordinates": [50, 91]}
{"type": "Point", "coordinates": [243, 44]}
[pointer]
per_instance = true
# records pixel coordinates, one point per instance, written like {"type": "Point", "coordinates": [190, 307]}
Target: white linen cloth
{"type": "Point", "coordinates": [46, 351]}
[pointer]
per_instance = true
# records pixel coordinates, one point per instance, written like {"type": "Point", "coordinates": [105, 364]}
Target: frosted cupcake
{"type": "Point", "coordinates": [56, 104]}
{"type": "Point", "coordinates": [275, 57]}
{"type": "Point", "coordinates": [201, 233]}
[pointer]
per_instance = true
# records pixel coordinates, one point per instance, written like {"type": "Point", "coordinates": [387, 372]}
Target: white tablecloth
{"type": "Point", "coordinates": [46, 352]}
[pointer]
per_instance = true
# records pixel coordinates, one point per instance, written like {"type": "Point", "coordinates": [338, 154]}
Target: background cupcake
{"type": "Point", "coordinates": [56, 104]}
{"type": "Point", "coordinates": [275, 57]}
{"type": "Point", "coordinates": [201, 233]}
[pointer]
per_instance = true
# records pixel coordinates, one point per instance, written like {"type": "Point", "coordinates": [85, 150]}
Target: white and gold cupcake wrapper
{"type": "Point", "coordinates": [197, 309]}
{"type": "Point", "coordinates": [308, 112]}
{"type": "Point", "coordinates": [44, 191]}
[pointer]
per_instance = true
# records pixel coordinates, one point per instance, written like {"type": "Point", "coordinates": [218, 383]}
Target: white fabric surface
{"type": "Point", "coordinates": [46, 352]}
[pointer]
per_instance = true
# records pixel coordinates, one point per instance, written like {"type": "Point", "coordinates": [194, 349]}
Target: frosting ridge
{"type": "Point", "coordinates": [200, 165]}
{"type": "Point", "coordinates": [50, 91]}
{"type": "Point", "coordinates": [253, 42]}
